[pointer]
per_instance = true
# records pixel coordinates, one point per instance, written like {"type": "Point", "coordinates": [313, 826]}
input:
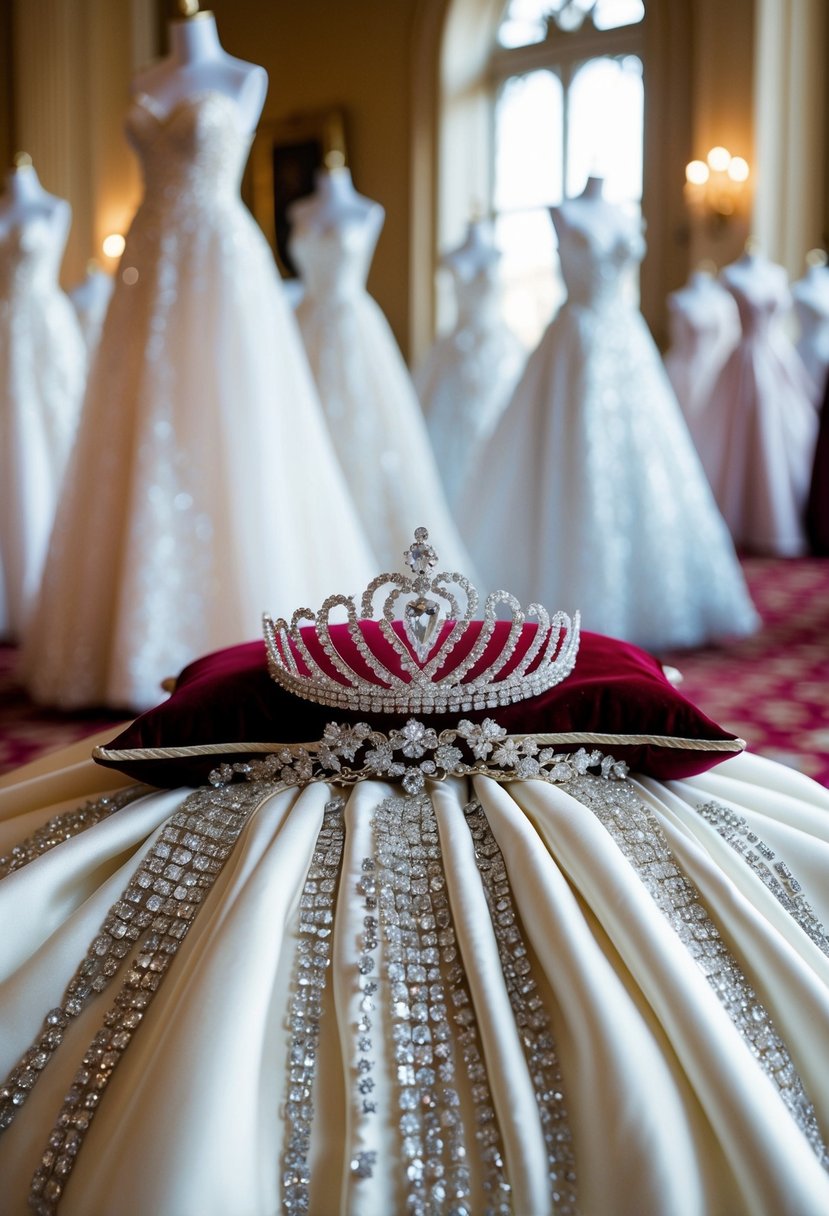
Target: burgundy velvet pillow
{"type": "Point", "coordinates": [615, 690]}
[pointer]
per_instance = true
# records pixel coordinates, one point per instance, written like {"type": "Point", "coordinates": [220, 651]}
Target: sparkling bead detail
{"type": "Point", "coordinates": [424, 997]}
{"type": "Point", "coordinates": [311, 966]}
{"type": "Point", "coordinates": [64, 827]}
{"type": "Point", "coordinates": [639, 836]}
{"type": "Point", "coordinates": [531, 1016]}
{"type": "Point", "coordinates": [765, 863]}
{"type": "Point", "coordinates": [157, 913]}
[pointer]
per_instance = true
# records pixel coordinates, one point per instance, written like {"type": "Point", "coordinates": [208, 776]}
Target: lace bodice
{"type": "Point", "coordinates": [594, 260]}
{"type": "Point", "coordinates": [194, 155]}
{"type": "Point", "coordinates": [334, 262]}
{"type": "Point", "coordinates": [29, 259]}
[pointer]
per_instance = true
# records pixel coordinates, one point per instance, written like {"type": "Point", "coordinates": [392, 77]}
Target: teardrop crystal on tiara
{"type": "Point", "coordinates": [399, 662]}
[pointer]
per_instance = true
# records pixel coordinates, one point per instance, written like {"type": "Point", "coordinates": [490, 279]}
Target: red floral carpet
{"type": "Point", "coordinates": [772, 689]}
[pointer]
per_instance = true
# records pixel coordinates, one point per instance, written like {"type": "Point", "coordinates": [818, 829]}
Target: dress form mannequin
{"type": "Point", "coordinates": [811, 305]}
{"type": "Point", "coordinates": [704, 327]}
{"type": "Point", "coordinates": [609, 223]}
{"type": "Point", "coordinates": [468, 376]}
{"type": "Point", "coordinates": [757, 433]}
{"type": "Point", "coordinates": [335, 202]}
{"type": "Point", "coordinates": [198, 63]}
{"type": "Point", "coordinates": [476, 254]}
{"type": "Point", "coordinates": [42, 365]}
{"type": "Point", "coordinates": [25, 199]}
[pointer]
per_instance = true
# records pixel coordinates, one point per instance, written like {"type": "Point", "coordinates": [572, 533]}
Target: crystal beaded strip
{"type": "Point", "coordinates": [363, 1162]}
{"type": "Point", "coordinates": [531, 1016]}
{"type": "Point", "coordinates": [776, 875]}
{"type": "Point", "coordinates": [64, 827]}
{"type": "Point", "coordinates": [417, 931]}
{"type": "Point", "coordinates": [164, 897]}
{"type": "Point", "coordinates": [641, 839]}
{"type": "Point", "coordinates": [313, 961]}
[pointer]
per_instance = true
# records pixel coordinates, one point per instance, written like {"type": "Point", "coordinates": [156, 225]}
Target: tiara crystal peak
{"type": "Point", "coordinates": [399, 660]}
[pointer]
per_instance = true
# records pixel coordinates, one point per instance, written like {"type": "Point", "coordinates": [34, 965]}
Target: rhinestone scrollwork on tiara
{"type": "Point", "coordinates": [399, 661]}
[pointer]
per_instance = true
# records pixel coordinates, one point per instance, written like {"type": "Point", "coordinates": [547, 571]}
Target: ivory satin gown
{"type": "Point", "coordinates": [602, 996]}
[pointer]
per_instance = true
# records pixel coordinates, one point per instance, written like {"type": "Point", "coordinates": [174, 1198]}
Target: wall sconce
{"type": "Point", "coordinates": [714, 187]}
{"type": "Point", "coordinates": [113, 245]}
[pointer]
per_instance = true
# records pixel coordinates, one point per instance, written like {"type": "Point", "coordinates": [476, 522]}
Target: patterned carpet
{"type": "Point", "coordinates": [772, 689]}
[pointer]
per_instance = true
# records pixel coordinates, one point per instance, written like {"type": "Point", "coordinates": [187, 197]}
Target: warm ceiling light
{"type": "Point", "coordinates": [113, 245]}
{"type": "Point", "coordinates": [696, 172]}
{"type": "Point", "coordinates": [738, 169]}
{"type": "Point", "coordinates": [719, 159]}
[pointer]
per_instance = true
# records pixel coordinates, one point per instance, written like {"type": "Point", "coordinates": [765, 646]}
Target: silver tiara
{"type": "Point", "coordinates": [422, 621]}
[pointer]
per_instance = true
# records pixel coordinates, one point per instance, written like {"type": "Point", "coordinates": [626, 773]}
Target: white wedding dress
{"type": "Point", "coordinates": [601, 996]}
{"type": "Point", "coordinates": [468, 377]}
{"type": "Point", "coordinates": [204, 488]}
{"type": "Point", "coordinates": [42, 371]}
{"type": "Point", "coordinates": [373, 413]}
{"type": "Point", "coordinates": [589, 491]}
{"type": "Point", "coordinates": [704, 327]}
{"type": "Point", "coordinates": [811, 304]}
{"type": "Point", "coordinates": [759, 431]}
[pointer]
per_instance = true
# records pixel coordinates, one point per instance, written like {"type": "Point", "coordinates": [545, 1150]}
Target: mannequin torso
{"type": "Point", "coordinates": [335, 203]}
{"type": "Point", "coordinates": [25, 200]}
{"type": "Point", "coordinates": [477, 253]}
{"type": "Point", "coordinates": [196, 64]}
{"type": "Point", "coordinates": [596, 241]}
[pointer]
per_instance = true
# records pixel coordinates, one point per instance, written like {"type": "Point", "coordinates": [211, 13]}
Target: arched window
{"type": "Point", "coordinates": [567, 96]}
{"type": "Point", "coordinates": [471, 55]}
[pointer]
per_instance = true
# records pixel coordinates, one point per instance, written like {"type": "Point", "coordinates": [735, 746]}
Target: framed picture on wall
{"type": "Point", "coordinates": [286, 154]}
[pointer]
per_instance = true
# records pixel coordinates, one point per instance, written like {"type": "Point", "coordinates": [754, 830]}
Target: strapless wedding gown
{"type": "Point", "coordinates": [601, 996]}
{"type": "Point", "coordinates": [467, 379]}
{"type": "Point", "coordinates": [590, 491]}
{"type": "Point", "coordinates": [758, 433]}
{"type": "Point", "coordinates": [373, 413]}
{"type": "Point", "coordinates": [42, 370]}
{"type": "Point", "coordinates": [204, 488]}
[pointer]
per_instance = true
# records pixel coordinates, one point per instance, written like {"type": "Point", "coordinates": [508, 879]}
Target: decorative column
{"type": "Point", "coordinates": [790, 122]}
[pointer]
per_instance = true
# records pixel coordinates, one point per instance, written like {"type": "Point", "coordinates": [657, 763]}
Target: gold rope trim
{"type": "Point", "coordinates": [227, 749]}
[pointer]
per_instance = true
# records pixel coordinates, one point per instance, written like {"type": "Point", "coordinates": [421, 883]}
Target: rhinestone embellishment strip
{"type": "Point", "coordinates": [775, 874]}
{"type": "Point", "coordinates": [532, 1018]}
{"type": "Point", "coordinates": [164, 898]}
{"type": "Point", "coordinates": [64, 827]}
{"type": "Point", "coordinates": [418, 936]}
{"type": "Point", "coordinates": [639, 836]}
{"type": "Point", "coordinates": [311, 966]}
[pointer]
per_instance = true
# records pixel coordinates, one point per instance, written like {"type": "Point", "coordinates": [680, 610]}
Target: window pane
{"type": "Point", "coordinates": [532, 287]}
{"type": "Point", "coordinates": [524, 23]}
{"type": "Point", "coordinates": [605, 127]}
{"type": "Point", "coordinates": [611, 14]}
{"type": "Point", "coordinates": [528, 142]}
